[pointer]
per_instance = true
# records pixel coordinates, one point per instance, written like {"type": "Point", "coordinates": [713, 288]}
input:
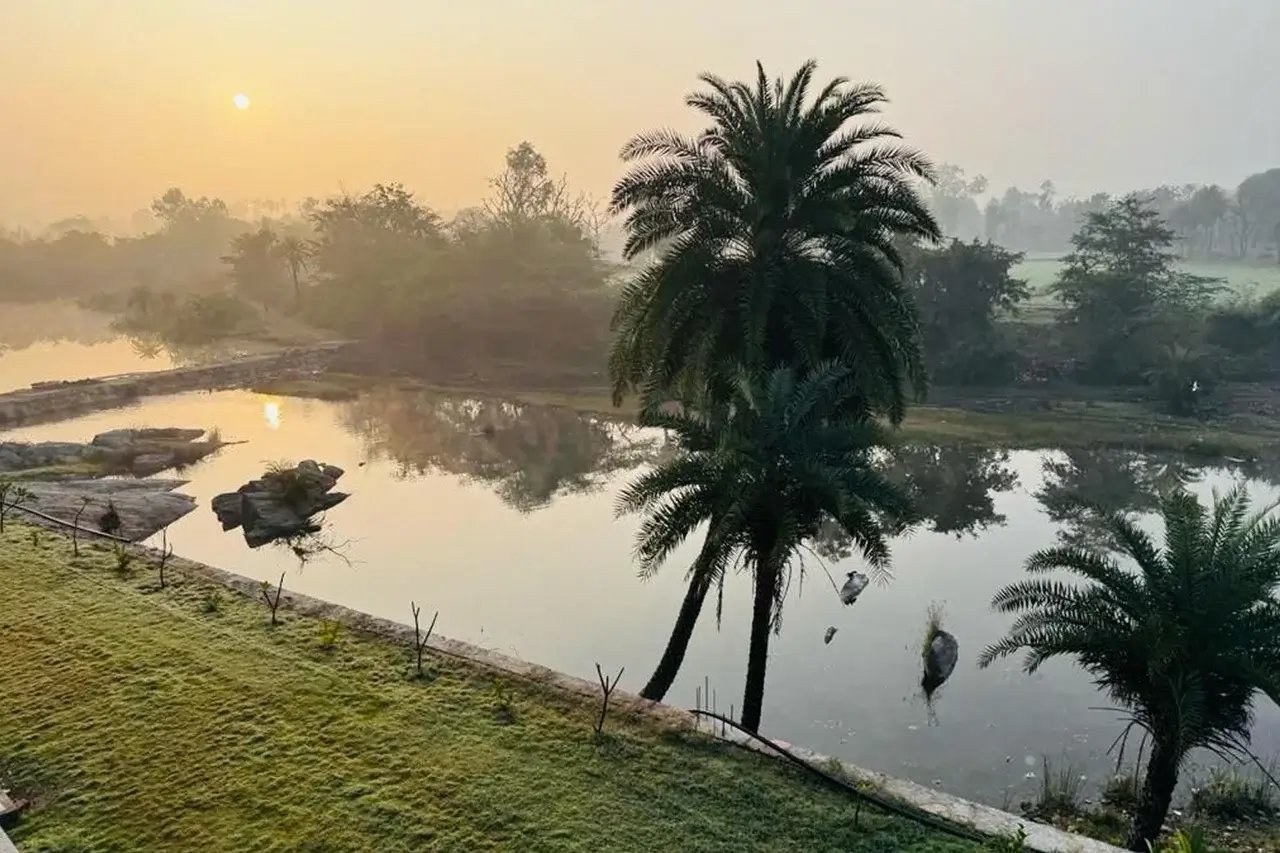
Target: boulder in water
{"type": "Point", "coordinates": [940, 655]}
{"type": "Point", "coordinates": [853, 586]}
{"type": "Point", "coordinates": [280, 504]}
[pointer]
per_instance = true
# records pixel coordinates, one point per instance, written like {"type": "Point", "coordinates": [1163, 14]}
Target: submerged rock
{"type": "Point", "coordinates": [853, 586]}
{"type": "Point", "coordinates": [280, 504]}
{"type": "Point", "coordinates": [140, 452]}
{"type": "Point", "coordinates": [940, 656]}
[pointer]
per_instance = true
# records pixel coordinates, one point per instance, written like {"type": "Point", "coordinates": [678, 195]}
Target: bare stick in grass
{"type": "Point", "coordinates": [606, 689]}
{"type": "Point", "coordinates": [166, 551]}
{"type": "Point", "coordinates": [75, 526]}
{"type": "Point", "coordinates": [273, 600]}
{"type": "Point", "coordinates": [419, 639]}
{"type": "Point", "coordinates": [11, 496]}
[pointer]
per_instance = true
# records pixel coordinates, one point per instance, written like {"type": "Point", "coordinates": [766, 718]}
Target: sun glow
{"type": "Point", "coordinates": [240, 100]}
{"type": "Point", "coordinates": [271, 413]}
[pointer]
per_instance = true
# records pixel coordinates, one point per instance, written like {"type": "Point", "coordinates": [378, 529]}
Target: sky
{"type": "Point", "coordinates": [106, 103]}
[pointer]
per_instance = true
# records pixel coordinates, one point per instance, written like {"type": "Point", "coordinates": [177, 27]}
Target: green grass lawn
{"type": "Point", "coordinates": [1238, 279]}
{"type": "Point", "coordinates": [142, 719]}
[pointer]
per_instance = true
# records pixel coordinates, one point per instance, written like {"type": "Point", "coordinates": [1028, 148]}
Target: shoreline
{"type": "Point", "coordinates": [1045, 421]}
{"type": "Point", "coordinates": [974, 816]}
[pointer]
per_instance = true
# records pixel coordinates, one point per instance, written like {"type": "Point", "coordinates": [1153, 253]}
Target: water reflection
{"type": "Point", "coordinates": [1081, 485]}
{"type": "Point", "coordinates": [527, 454]}
{"type": "Point", "coordinates": [954, 488]}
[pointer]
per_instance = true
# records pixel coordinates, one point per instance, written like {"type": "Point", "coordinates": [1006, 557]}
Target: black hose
{"type": "Point", "coordinates": [910, 813]}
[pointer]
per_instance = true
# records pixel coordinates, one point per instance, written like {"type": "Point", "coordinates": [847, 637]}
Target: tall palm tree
{"type": "Point", "coordinates": [775, 232]}
{"type": "Point", "coordinates": [1182, 644]}
{"type": "Point", "coordinates": [764, 473]}
{"type": "Point", "coordinates": [774, 238]}
{"type": "Point", "coordinates": [296, 253]}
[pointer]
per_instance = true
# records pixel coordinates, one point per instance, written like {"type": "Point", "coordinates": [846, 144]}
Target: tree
{"type": "Point", "coordinates": [255, 262]}
{"type": "Point", "coordinates": [296, 254]}
{"type": "Point", "coordinates": [1122, 297]}
{"type": "Point", "coordinates": [960, 291]}
{"type": "Point", "coordinates": [775, 235]}
{"type": "Point", "coordinates": [764, 473]}
{"type": "Point", "coordinates": [952, 200]}
{"type": "Point", "coordinates": [1258, 205]}
{"type": "Point", "coordinates": [1182, 645]}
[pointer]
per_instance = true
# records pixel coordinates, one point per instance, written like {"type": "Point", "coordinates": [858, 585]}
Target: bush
{"type": "Point", "coordinates": [1230, 795]}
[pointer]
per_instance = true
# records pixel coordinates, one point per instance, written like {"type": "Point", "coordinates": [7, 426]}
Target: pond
{"type": "Point", "coordinates": [501, 517]}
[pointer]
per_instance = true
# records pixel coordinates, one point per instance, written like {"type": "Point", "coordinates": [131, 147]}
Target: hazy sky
{"type": "Point", "coordinates": [104, 103]}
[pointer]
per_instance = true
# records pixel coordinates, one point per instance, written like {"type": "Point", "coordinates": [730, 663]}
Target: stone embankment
{"type": "Point", "coordinates": [57, 400]}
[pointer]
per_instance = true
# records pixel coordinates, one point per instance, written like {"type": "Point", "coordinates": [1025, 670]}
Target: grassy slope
{"type": "Point", "coordinates": [143, 722]}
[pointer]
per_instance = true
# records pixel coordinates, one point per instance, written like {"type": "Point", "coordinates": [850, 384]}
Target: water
{"type": "Point", "coordinates": [501, 517]}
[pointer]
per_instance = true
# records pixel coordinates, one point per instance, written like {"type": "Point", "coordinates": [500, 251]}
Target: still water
{"type": "Point", "coordinates": [501, 517]}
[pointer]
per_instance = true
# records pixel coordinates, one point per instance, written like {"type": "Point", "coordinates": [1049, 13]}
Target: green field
{"type": "Point", "coordinates": [1040, 271]}
{"type": "Point", "coordinates": [143, 719]}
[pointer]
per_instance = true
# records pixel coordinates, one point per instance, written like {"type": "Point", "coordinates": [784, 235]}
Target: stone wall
{"type": "Point", "coordinates": [51, 402]}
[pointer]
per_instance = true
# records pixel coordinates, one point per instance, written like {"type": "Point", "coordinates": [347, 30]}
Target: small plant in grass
{"type": "Point", "coordinates": [123, 557]}
{"type": "Point", "coordinates": [607, 687]}
{"type": "Point", "coordinates": [1120, 793]}
{"type": "Point", "coordinates": [1012, 842]}
{"type": "Point", "coordinates": [12, 495]}
{"type": "Point", "coordinates": [1229, 796]}
{"type": "Point", "coordinates": [35, 537]}
{"type": "Point", "coordinates": [1193, 840]}
{"type": "Point", "coordinates": [211, 600]}
{"type": "Point", "coordinates": [1061, 792]}
{"type": "Point", "coordinates": [504, 702]}
{"type": "Point", "coordinates": [272, 598]}
{"type": "Point", "coordinates": [420, 639]}
{"type": "Point", "coordinates": [330, 629]}
{"type": "Point", "coordinates": [166, 551]}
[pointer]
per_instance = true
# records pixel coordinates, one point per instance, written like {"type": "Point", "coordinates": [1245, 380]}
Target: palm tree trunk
{"type": "Point", "coordinates": [673, 656]}
{"type": "Point", "coordinates": [758, 651]}
{"type": "Point", "coordinates": [1157, 794]}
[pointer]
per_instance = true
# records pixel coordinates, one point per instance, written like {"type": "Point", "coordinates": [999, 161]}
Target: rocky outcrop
{"type": "Point", "coordinates": [141, 507]}
{"type": "Point", "coordinates": [54, 401]}
{"type": "Point", "coordinates": [140, 452]}
{"type": "Point", "coordinates": [281, 504]}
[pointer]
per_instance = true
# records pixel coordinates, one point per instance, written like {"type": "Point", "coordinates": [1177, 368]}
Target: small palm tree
{"type": "Point", "coordinates": [775, 232]}
{"type": "Point", "coordinates": [764, 473]}
{"type": "Point", "coordinates": [1182, 645]}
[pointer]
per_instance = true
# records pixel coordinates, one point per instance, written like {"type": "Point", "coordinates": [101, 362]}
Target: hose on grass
{"type": "Point", "coordinates": [917, 815]}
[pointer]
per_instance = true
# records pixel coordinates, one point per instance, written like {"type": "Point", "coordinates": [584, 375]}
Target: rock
{"type": "Point", "coordinates": [853, 586]}
{"type": "Point", "coordinates": [280, 504]}
{"type": "Point", "coordinates": [16, 456]}
{"type": "Point", "coordinates": [146, 464]}
{"type": "Point", "coordinates": [940, 657]}
{"type": "Point", "coordinates": [143, 507]}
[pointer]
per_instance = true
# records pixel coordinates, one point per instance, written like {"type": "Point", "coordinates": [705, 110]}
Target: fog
{"type": "Point", "coordinates": [107, 105]}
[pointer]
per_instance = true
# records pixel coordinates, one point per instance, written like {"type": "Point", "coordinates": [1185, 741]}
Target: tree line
{"type": "Point", "coordinates": [1209, 222]}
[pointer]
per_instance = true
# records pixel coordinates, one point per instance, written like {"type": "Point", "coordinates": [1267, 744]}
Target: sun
{"type": "Point", "coordinates": [240, 100]}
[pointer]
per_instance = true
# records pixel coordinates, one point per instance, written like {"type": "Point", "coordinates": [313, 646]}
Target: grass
{"type": "Point", "coordinates": [1239, 279]}
{"type": "Point", "coordinates": [146, 719]}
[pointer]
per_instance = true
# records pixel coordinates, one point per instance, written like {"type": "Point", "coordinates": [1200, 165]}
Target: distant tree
{"type": "Point", "coordinates": [1122, 296]}
{"type": "Point", "coordinates": [1183, 643]}
{"type": "Point", "coordinates": [961, 291]}
{"type": "Point", "coordinates": [296, 253]}
{"type": "Point", "coordinates": [257, 269]}
{"type": "Point", "coordinates": [952, 200]}
{"type": "Point", "coordinates": [1258, 207]}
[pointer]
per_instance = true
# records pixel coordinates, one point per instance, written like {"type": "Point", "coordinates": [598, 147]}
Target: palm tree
{"type": "Point", "coordinates": [764, 473]}
{"type": "Point", "coordinates": [773, 235]}
{"type": "Point", "coordinates": [774, 231]}
{"type": "Point", "coordinates": [1182, 644]}
{"type": "Point", "coordinates": [296, 253]}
